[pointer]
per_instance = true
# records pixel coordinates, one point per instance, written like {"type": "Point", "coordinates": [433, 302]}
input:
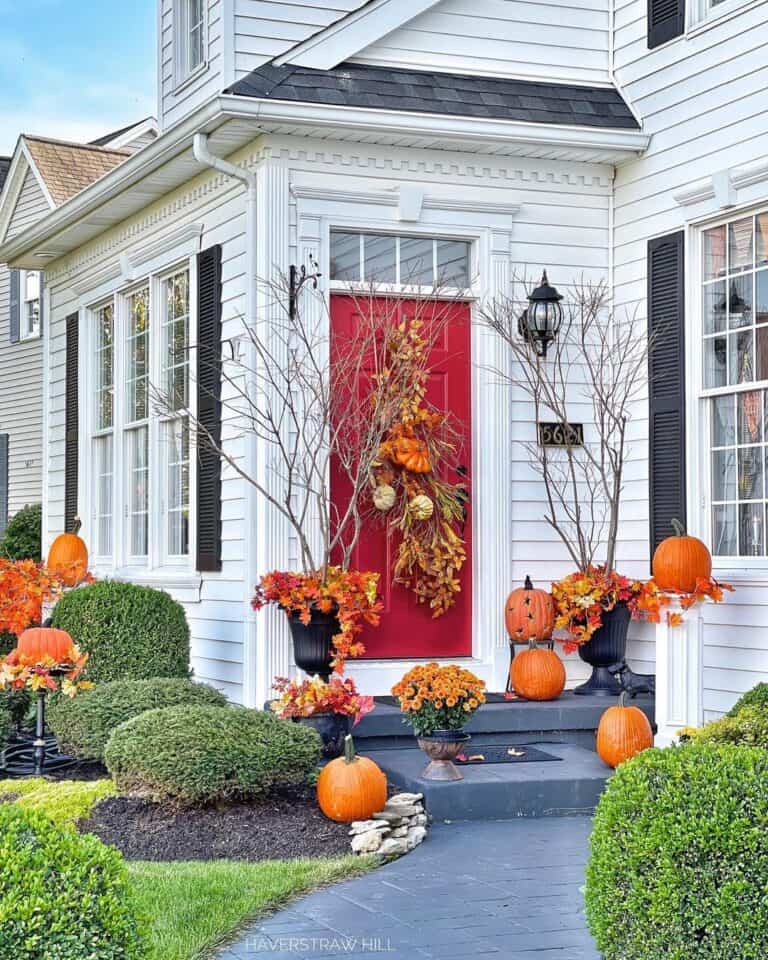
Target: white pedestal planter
{"type": "Point", "coordinates": [679, 673]}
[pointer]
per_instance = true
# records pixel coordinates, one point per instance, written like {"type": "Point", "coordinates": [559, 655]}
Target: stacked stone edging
{"type": "Point", "coordinates": [398, 828]}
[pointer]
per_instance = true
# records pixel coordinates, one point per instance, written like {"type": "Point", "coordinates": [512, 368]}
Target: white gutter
{"type": "Point", "coordinates": [207, 159]}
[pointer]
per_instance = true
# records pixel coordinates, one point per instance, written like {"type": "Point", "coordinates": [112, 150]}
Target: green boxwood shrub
{"type": "Point", "coordinates": [63, 896]}
{"type": "Point", "coordinates": [756, 697]}
{"type": "Point", "coordinates": [22, 539]}
{"type": "Point", "coordinates": [748, 728]}
{"type": "Point", "coordinates": [679, 862]}
{"type": "Point", "coordinates": [84, 724]}
{"type": "Point", "coordinates": [130, 632]}
{"type": "Point", "coordinates": [198, 755]}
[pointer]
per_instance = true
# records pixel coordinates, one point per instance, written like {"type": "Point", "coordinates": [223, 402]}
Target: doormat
{"type": "Point", "coordinates": [510, 753]}
{"type": "Point", "coordinates": [489, 698]}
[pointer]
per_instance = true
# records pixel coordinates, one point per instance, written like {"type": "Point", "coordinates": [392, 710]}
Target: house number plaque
{"type": "Point", "coordinates": [561, 434]}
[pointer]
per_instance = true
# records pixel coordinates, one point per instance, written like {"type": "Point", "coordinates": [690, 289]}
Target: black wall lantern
{"type": "Point", "coordinates": [540, 323]}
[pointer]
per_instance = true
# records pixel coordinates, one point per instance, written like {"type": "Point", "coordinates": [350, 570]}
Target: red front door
{"type": "Point", "coordinates": [407, 628]}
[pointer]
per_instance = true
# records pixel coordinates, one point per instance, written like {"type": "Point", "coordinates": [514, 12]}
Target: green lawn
{"type": "Point", "coordinates": [193, 907]}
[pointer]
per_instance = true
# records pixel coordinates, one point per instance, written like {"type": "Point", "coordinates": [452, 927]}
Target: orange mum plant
{"type": "Point", "coordinates": [427, 511]}
{"type": "Point", "coordinates": [438, 698]}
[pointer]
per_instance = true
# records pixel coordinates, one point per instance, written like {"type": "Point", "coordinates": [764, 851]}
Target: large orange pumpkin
{"type": "Point", "coordinates": [351, 787]}
{"type": "Point", "coordinates": [529, 614]}
{"type": "Point", "coordinates": [68, 557]}
{"type": "Point", "coordinates": [680, 561]}
{"type": "Point", "coordinates": [537, 674]}
{"type": "Point", "coordinates": [623, 732]}
{"type": "Point", "coordinates": [43, 644]}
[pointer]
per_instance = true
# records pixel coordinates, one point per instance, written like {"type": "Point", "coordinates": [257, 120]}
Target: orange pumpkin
{"type": "Point", "coordinates": [680, 561]}
{"type": "Point", "coordinates": [623, 732]}
{"type": "Point", "coordinates": [42, 645]}
{"type": "Point", "coordinates": [68, 557]}
{"type": "Point", "coordinates": [412, 454]}
{"type": "Point", "coordinates": [529, 614]}
{"type": "Point", "coordinates": [351, 787]}
{"type": "Point", "coordinates": [537, 674]}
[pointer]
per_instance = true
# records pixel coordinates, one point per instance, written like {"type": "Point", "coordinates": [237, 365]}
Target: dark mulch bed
{"type": "Point", "coordinates": [283, 827]}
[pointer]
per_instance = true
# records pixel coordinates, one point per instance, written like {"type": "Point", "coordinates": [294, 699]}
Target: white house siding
{"type": "Point", "coordinates": [214, 602]}
{"type": "Point", "coordinates": [558, 41]}
{"type": "Point", "coordinates": [703, 100]}
{"type": "Point", "coordinates": [31, 206]}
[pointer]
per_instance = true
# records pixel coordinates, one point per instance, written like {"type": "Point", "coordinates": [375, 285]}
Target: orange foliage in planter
{"type": "Point", "coordinates": [351, 787]}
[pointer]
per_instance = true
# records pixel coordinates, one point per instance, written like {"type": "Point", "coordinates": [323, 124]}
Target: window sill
{"type": "Point", "coordinates": [190, 78]}
{"type": "Point", "coordinates": [168, 578]}
{"type": "Point", "coordinates": [752, 576]}
{"type": "Point", "coordinates": [715, 18]}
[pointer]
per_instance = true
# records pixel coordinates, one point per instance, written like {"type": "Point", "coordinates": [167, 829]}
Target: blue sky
{"type": "Point", "coordinates": [74, 70]}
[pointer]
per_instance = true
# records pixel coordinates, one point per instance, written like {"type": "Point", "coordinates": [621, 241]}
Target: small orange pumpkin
{"type": "Point", "coordinates": [529, 614]}
{"type": "Point", "coordinates": [412, 454]}
{"type": "Point", "coordinates": [42, 645]}
{"type": "Point", "coordinates": [351, 787]}
{"type": "Point", "coordinates": [537, 674]}
{"type": "Point", "coordinates": [623, 732]}
{"type": "Point", "coordinates": [680, 561]}
{"type": "Point", "coordinates": [68, 557]}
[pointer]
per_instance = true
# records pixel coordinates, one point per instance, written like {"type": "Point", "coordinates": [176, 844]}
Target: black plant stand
{"type": "Point", "coordinates": [34, 754]}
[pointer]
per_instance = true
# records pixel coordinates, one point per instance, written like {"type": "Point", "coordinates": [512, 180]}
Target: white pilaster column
{"type": "Point", "coordinates": [679, 673]}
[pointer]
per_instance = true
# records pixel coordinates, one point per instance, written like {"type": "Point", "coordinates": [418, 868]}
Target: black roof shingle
{"type": "Point", "coordinates": [488, 98]}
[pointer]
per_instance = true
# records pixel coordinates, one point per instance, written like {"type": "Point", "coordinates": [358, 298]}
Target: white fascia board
{"type": "Point", "coordinates": [21, 163]}
{"type": "Point", "coordinates": [353, 33]}
{"type": "Point", "coordinates": [145, 126]}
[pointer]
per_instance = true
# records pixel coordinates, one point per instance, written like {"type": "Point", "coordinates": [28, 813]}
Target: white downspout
{"type": "Point", "coordinates": [207, 159]}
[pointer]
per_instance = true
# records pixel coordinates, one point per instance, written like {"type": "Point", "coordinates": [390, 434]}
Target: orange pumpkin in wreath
{"type": "Point", "coordinates": [412, 454]}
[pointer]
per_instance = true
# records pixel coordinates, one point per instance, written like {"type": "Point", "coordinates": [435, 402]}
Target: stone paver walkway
{"type": "Point", "coordinates": [506, 888]}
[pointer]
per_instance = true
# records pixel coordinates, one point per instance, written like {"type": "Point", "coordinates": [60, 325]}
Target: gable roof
{"type": "Point", "coordinates": [489, 98]}
{"type": "Point", "coordinates": [66, 168]}
{"type": "Point", "coordinates": [5, 166]}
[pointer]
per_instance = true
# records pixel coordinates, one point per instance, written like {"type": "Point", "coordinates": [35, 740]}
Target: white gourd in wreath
{"type": "Point", "coordinates": [384, 497]}
{"type": "Point", "coordinates": [421, 507]}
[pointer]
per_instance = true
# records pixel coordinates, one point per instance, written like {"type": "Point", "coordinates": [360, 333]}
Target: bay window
{"type": "Point", "coordinates": [734, 309]}
{"type": "Point", "coordinates": [140, 433]}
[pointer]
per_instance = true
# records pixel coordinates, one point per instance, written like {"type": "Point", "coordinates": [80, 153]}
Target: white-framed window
{"type": "Point", "coordinates": [700, 12]}
{"type": "Point", "coordinates": [733, 302]}
{"type": "Point", "coordinates": [30, 304]}
{"type": "Point", "coordinates": [418, 261]}
{"type": "Point", "coordinates": [141, 468]}
{"type": "Point", "coordinates": [190, 37]}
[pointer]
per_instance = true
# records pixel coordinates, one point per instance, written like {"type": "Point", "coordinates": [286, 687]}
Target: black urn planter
{"type": "Point", "coordinates": [608, 645]}
{"type": "Point", "coordinates": [332, 727]}
{"type": "Point", "coordinates": [313, 642]}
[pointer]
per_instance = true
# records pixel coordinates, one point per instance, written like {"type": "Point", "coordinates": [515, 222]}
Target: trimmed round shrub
{"type": "Point", "coordinates": [84, 724]}
{"type": "Point", "coordinates": [22, 539]}
{"type": "Point", "coordinates": [63, 896]}
{"type": "Point", "coordinates": [199, 755]}
{"type": "Point", "coordinates": [129, 632]}
{"type": "Point", "coordinates": [748, 728]}
{"type": "Point", "coordinates": [756, 697]}
{"type": "Point", "coordinates": [679, 863]}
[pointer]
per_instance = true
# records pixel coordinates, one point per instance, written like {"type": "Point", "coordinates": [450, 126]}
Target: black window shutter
{"type": "Point", "coordinates": [209, 409]}
{"type": "Point", "coordinates": [71, 421]}
{"type": "Point", "coordinates": [666, 20]}
{"type": "Point", "coordinates": [4, 481]}
{"type": "Point", "coordinates": [15, 320]}
{"type": "Point", "coordinates": [666, 383]}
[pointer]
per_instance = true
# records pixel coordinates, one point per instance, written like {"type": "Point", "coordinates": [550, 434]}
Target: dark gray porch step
{"type": "Point", "coordinates": [503, 791]}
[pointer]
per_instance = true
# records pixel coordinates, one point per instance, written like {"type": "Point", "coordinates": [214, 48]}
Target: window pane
{"type": "Point", "coordinates": [750, 408]}
{"type": "Point", "coordinates": [345, 257]}
{"type": "Point", "coordinates": [137, 349]}
{"type": "Point", "coordinates": [379, 259]}
{"type": "Point", "coordinates": [740, 245]}
{"type": "Point", "coordinates": [761, 297]}
{"type": "Point", "coordinates": [724, 475]}
{"type": "Point", "coordinates": [723, 422]}
{"type": "Point", "coordinates": [724, 530]}
{"type": "Point", "coordinates": [740, 302]}
{"type": "Point", "coordinates": [741, 367]}
{"type": "Point", "coordinates": [104, 367]}
{"type": "Point", "coordinates": [750, 473]}
{"type": "Point", "coordinates": [751, 529]}
{"type": "Point", "coordinates": [104, 477]}
{"type": "Point", "coordinates": [761, 244]}
{"type": "Point", "coordinates": [416, 261]}
{"type": "Point", "coordinates": [714, 253]}
{"type": "Point", "coordinates": [714, 307]}
{"type": "Point", "coordinates": [178, 488]}
{"type": "Point", "coordinates": [138, 492]}
{"type": "Point", "coordinates": [715, 359]}
{"type": "Point", "coordinates": [176, 341]}
{"type": "Point", "coordinates": [31, 285]}
{"type": "Point", "coordinates": [453, 263]}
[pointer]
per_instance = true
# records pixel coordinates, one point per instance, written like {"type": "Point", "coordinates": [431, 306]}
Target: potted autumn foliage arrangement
{"type": "Point", "coordinates": [600, 362]}
{"type": "Point", "coordinates": [437, 701]}
{"type": "Point", "coordinates": [331, 707]}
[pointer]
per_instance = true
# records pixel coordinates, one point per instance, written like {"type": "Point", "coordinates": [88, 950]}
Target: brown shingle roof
{"type": "Point", "coordinates": [68, 168]}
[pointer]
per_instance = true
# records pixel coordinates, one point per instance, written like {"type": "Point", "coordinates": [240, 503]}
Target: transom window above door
{"type": "Point", "coordinates": [734, 311]}
{"type": "Point", "coordinates": [410, 261]}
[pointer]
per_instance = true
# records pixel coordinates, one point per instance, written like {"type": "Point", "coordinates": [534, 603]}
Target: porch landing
{"type": "Point", "coordinates": [564, 728]}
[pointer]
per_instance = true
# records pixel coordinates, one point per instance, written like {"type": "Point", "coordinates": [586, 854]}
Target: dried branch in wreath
{"type": "Point", "coordinates": [597, 362]}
